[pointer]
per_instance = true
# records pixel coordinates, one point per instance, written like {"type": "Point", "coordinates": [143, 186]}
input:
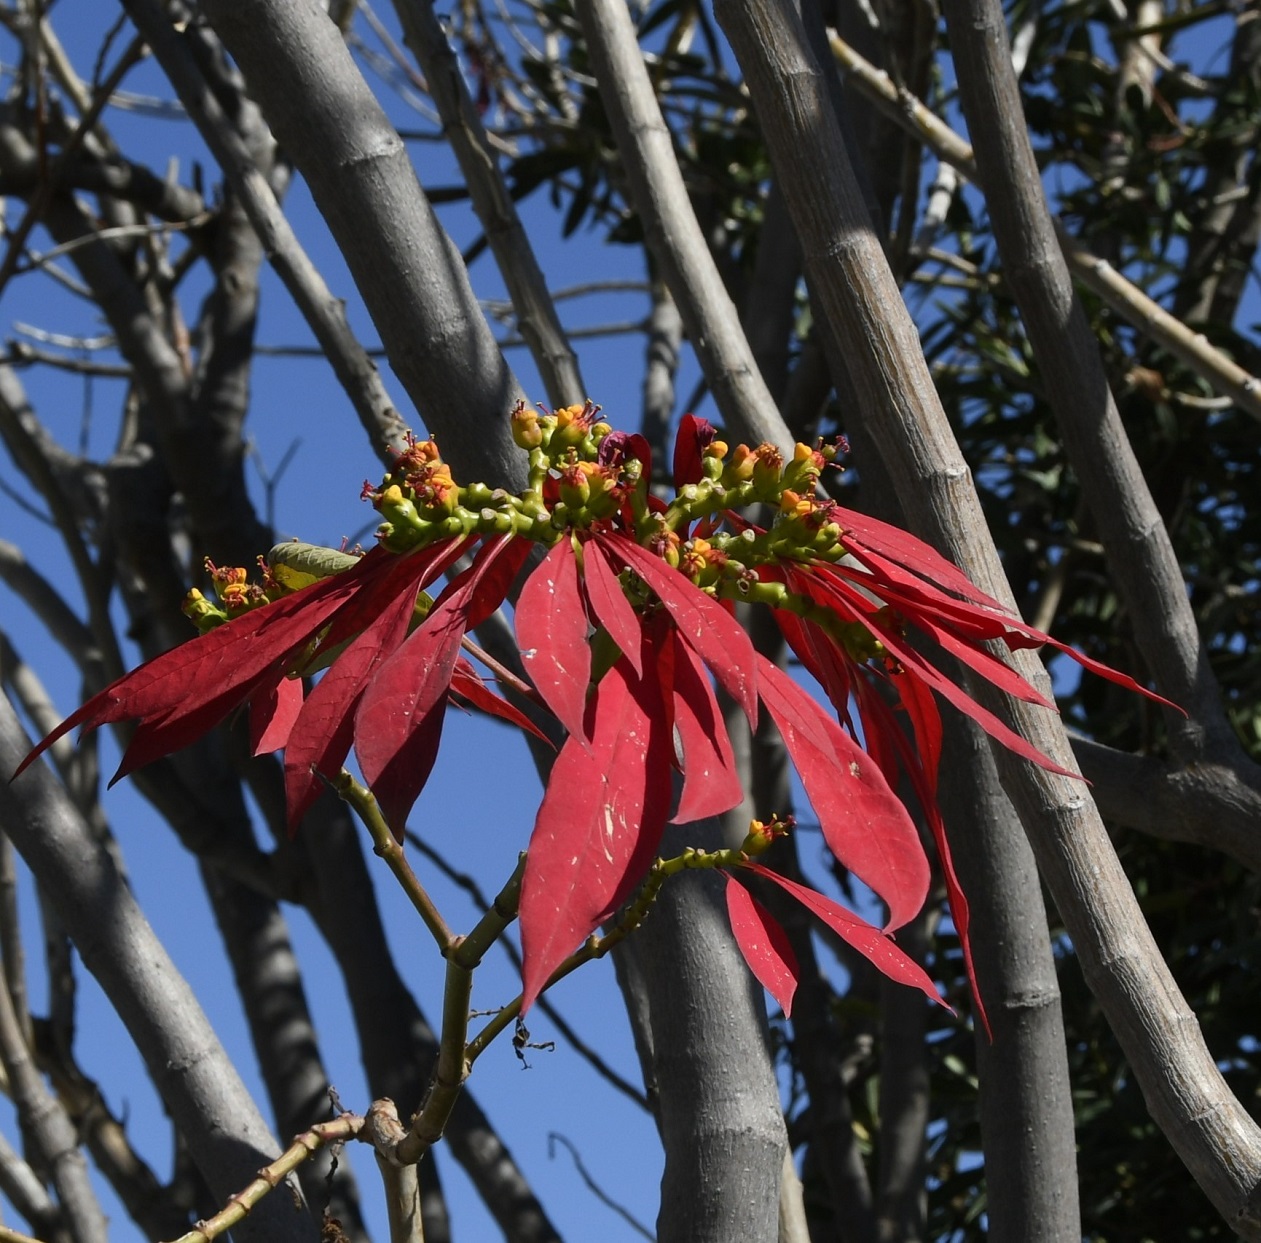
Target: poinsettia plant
{"type": "Point", "coordinates": [626, 629]}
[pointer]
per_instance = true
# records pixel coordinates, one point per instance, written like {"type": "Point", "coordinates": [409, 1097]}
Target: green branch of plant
{"type": "Point", "coordinates": [456, 1053]}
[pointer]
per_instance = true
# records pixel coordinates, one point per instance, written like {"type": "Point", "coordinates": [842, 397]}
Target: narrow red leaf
{"type": "Point", "coordinates": [552, 635]}
{"type": "Point", "coordinates": [156, 736]}
{"type": "Point", "coordinates": [864, 823]}
{"type": "Point", "coordinates": [865, 532]}
{"type": "Point", "coordinates": [609, 604]}
{"type": "Point", "coordinates": [764, 945]}
{"type": "Point", "coordinates": [466, 684]}
{"type": "Point", "coordinates": [711, 782]}
{"type": "Point", "coordinates": [599, 825]}
{"type": "Point", "coordinates": [916, 666]}
{"type": "Point", "coordinates": [398, 724]}
{"type": "Point", "coordinates": [272, 714]}
{"type": "Point", "coordinates": [222, 667]}
{"type": "Point", "coordinates": [321, 736]}
{"type": "Point", "coordinates": [922, 763]}
{"type": "Point", "coordinates": [693, 436]}
{"type": "Point", "coordinates": [989, 666]}
{"type": "Point", "coordinates": [701, 620]}
{"type": "Point", "coordinates": [877, 947]}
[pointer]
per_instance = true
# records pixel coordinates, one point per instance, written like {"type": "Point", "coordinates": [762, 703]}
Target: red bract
{"type": "Point", "coordinates": [621, 627]}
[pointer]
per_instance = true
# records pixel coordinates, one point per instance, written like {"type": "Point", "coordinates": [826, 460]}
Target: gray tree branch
{"type": "Point", "coordinates": [1211, 1131]}
{"type": "Point", "coordinates": [670, 226]}
{"type": "Point", "coordinates": [462, 127]}
{"type": "Point", "coordinates": [194, 1075]}
{"type": "Point", "coordinates": [407, 270]}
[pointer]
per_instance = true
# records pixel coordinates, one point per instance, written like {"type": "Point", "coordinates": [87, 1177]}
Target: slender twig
{"type": "Point", "coordinates": [41, 198]}
{"type": "Point", "coordinates": [384, 843]}
{"type": "Point", "coordinates": [597, 947]}
{"type": "Point", "coordinates": [8, 1235]}
{"type": "Point", "coordinates": [1098, 275]}
{"type": "Point", "coordinates": [453, 1061]}
{"type": "Point", "coordinates": [41, 259]}
{"type": "Point", "coordinates": [271, 1176]}
{"type": "Point", "coordinates": [554, 1138]}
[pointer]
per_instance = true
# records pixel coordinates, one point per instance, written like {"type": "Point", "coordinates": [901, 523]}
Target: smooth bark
{"type": "Point", "coordinates": [209, 1104]}
{"type": "Point", "coordinates": [1185, 1091]}
{"type": "Point", "coordinates": [406, 268]}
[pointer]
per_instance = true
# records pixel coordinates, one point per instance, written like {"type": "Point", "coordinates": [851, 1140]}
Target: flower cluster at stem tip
{"type": "Point", "coordinates": [583, 475]}
{"type": "Point", "coordinates": [586, 477]}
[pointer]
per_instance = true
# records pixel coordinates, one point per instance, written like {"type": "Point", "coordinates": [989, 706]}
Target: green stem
{"type": "Point", "coordinates": [453, 1062]}
{"type": "Point", "coordinates": [365, 805]}
{"type": "Point", "coordinates": [597, 947]}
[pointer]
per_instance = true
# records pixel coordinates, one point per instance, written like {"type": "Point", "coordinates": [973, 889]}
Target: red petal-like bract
{"type": "Point", "coordinates": [764, 945]}
{"type": "Point", "coordinates": [599, 824]}
{"type": "Point", "coordinates": [863, 532]}
{"type": "Point", "coordinates": [187, 691]}
{"type": "Point", "coordinates": [466, 684]}
{"type": "Point", "coordinates": [703, 624]}
{"type": "Point", "coordinates": [876, 946]}
{"type": "Point", "coordinates": [609, 605]}
{"type": "Point", "coordinates": [552, 636]}
{"type": "Point", "coordinates": [399, 721]}
{"type": "Point", "coordinates": [321, 738]}
{"type": "Point", "coordinates": [837, 595]}
{"type": "Point", "coordinates": [711, 782]}
{"type": "Point", "coordinates": [272, 714]}
{"type": "Point", "coordinates": [864, 823]}
{"type": "Point", "coordinates": [693, 436]}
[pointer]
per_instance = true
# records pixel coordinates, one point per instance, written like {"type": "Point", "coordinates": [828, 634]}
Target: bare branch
{"type": "Point", "coordinates": [323, 311]}
{"type": "Point", "coordinates": [1187, 1096]}
{"type": "Point", "coordinates": [414, 285]}
{"type": "Point", "coordinates": [675, 237]}
{"type": "Point", "coordinates": [193, 1073]}
{"type": "Point", "coordinates": [535, 310]}
{"type": "Point", "coordinates": [51, 1132]}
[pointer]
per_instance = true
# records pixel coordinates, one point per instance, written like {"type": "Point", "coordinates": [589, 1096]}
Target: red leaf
{"type": "Point", "coordinates": [552, 635]}
{"type": "Point", "coordinates": [874, 945]}
{"type": "Point", "coordinates": [609, 604]}
{"type": "Point", "coordinates": [598, 827]}
{"type": "Point", "coordinates": [864, 823]}
{"type": "Point", "coordinates": [465, 684]}
{"type": "Point", "coordinates": [156, 736]}
{"type": "Point", "coordinates": [493, 582]}
{"type": "Point", "coordinates": [399, 721]}
{"type": "Point", "coordinates": [764, 945]}
{"type": "Point", "coordinates": [221, 668]}
{"type": "Point", "coordinates": [926, 728]}
{"type": "Point", "coordinates": [916, 666]}
{"type": "Point", "coordinates": [863, 532]}
{"type": "Point", "coordinates": [711, 783]}
{"type": "Point", "coordinates": [693, 436]}
{"type": "Point", "coordinates": [321, 737]}
{"type": "Point", "coordinates": [702, 622]}
{"type": "Point", "coordinates": [272, 714]}
{"type": "Point", "coordinates": [986, 664]}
